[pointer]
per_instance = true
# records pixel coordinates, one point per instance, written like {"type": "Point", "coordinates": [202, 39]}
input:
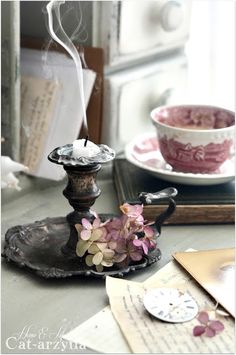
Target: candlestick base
{"type": "Point", "coordinates": [48, 247]}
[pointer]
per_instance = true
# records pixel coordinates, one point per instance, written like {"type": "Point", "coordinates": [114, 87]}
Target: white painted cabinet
{"type": "Point", "coordinates": [144, 61]}
{"type": "Point", "coordinates": [131, 30]}
{"type": "Point", "coordinates": [130, 95]}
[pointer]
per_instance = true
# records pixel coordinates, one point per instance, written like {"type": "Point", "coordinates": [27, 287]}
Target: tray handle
{"type": "Point", "coordinates": [148, 198]}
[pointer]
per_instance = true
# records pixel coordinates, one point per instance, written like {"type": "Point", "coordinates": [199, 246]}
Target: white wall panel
{"type": "Point", "coordinates": [131, 94]}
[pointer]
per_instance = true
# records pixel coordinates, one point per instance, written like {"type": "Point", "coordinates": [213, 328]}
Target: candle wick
{"type": "Point", "coordinates": [86, 141]}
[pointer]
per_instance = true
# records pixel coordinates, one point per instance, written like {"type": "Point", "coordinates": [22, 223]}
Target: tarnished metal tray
{"type": "Point", "coordinates": [37, 246]}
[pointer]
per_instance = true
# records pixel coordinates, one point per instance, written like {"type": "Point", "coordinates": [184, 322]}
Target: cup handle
{"type": "Point", "coordinates": [148, 198]}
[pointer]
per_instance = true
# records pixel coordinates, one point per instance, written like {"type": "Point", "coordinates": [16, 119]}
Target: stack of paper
{"type": "Point", "coordinates": [126, 327]}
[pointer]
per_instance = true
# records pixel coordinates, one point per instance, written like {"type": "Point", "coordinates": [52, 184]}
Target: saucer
{"type": "Point", "coordinates": [143, 151]}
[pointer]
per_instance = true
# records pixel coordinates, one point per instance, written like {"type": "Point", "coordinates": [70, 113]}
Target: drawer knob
{"type": "Point", "coordinates": [171, 16]}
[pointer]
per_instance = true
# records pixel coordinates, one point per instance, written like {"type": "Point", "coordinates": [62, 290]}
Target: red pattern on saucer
{"type": "Point", "coordinates": [144, 152]}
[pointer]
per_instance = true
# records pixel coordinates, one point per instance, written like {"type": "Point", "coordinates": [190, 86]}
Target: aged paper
{"type": "Point", "coordinates": [215, 272]}
{"type": "Point", "coordinates": [105, 329]}
{"type": "Point", "coordinates": [38, 100]}
{"type": "Point", "coordinates": [101, 333]}
{"type": "Point", "coordinates": [145, 334]}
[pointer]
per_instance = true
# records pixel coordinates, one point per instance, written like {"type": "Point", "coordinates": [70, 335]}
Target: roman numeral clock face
{"type": "Point", "coordinates": [170, 305]}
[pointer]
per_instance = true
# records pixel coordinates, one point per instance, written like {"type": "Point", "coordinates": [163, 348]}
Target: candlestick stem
{"type": "Point", "coordinates": [81, 192]}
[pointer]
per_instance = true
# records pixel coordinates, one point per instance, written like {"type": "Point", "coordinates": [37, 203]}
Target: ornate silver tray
{"type": "Point", "coordinates": [37, 246]}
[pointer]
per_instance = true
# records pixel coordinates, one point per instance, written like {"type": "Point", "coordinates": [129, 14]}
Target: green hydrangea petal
{"type": "Point", "coordinates": [107, 263]}
{"type": "Point", "coordinates": [93, 249]}
{"type": "Point", "coordinates": [98, 258]}
{"type": "Point", "coordinates": [108, 253]}
{"type": "Point", "coordinates": [102, 246]}
{"type": "Point", "coordinates": [99, 268]}
{"type": "Point", "coordinates": [82, 246]}
{"type": "Point", "coordinates": [89, 260]}
{"type": "Point", "coordinates": [96, 234]}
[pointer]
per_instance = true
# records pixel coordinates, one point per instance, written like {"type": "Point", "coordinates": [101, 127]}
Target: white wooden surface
{"type": "Point", "coordinates": [28, 300]}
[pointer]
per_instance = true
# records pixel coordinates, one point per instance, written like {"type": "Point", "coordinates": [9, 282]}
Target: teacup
{"type": "Point", "coordinates": [194, 138]}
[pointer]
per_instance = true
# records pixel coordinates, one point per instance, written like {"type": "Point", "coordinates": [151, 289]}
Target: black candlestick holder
{"type": "Point", "coordinates": [48, 247]}
{"type": "Point", "coordinates": [82, 189]}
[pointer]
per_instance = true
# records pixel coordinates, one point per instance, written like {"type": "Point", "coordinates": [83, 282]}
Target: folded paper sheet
{"type": "Point", "coordinates": [102, 333]}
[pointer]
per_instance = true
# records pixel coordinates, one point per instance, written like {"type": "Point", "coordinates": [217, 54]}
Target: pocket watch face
{"type": "Point", "coordinates": [170, 305]}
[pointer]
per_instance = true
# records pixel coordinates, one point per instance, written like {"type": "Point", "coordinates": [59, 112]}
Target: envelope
{"type": "Point", "coordinates": [214, 270]}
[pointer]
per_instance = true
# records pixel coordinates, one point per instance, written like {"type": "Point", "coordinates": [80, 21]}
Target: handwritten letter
{"type": "Point", "coordinates": [38, 99]}
{"type": "Point", "coordinates": [146, 334]}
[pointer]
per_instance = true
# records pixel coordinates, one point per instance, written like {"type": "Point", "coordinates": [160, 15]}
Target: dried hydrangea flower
{"type": "Point", "coordinates": [100, 255]}
{"type": "Point", "coordinates": [92, 231]}
{"type": "Point", "coordinates": [209, 327]}
{"type": "Point", "coordinates": [89, 233]}
{"type": "Point", "coordinates": [116, 241]}
{"type": "Point", "coordinates": [117, 228]}
{"type": "Point", "coordinates": [132, 210]}
{"type": "Point", "coordinates": [127, 250]}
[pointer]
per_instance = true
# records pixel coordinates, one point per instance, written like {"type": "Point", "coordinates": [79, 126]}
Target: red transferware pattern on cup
{"type": "Point", "coordinates": [198, 159]}
{"type": "Point", "coordinates": [194, 138]}
{"type": "Point", "coordinates": [195, 117]}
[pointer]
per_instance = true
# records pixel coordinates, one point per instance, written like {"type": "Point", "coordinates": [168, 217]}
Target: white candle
{"type": "Point", "coordinates": [79, 150]}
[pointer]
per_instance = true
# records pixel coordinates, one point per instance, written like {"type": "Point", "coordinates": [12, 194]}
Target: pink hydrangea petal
{"type": "Point", "coordinates": [96, 223]}
{"type": "Point", "coordinates": [125, 208]}
{"type": "Point", "coordinates": [135, 256]}
{"type": "Point", "coordinates": [85, 234]}
{"type": "Point", "coordinates": [118, 258]}
{"type": "Point", "coordinates": [114, 234]}
{"type": "Point", "coordinates": [106, 223]}
{"type": "Point", "coordinates": [137, 242]}
{"type": "Point", "coordinates": [86, 224]}
{"type": "Point", "coordinates": [145, 248]}
{"type": "Point", "coordinates": [216, 325]}
{"type": "Point", "coordinates": [210, 332]}
{"type": "Point", "coordinates": [198, 330]}
{"type": "Point", "coordinates": [121, 246]}
{"type": "Point", "coordinates": [140, 219]}
{"type": "Point", "coordinates": [203, 317]}
{"type": "Point", "coordinates": [103, 239]}
{"type": "Point", "coordinates": [131, 210]}
{"type": "Point", "coordinates": [138, 210]}
{"type": "Point", "coordinates": [149, 223]}
{"type": "Point", "coordinates": [104, 232]}
{"type": "Point", "coordinates": [148, 231]}
{"type": "Point", "coordinates": [115, 223]}
{"type": "Point", "coordinates": [112, 245]}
